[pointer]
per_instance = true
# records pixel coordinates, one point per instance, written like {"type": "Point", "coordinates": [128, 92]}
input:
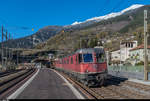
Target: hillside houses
{"type": "Point", "coordinates": [122, 54]}
{"type": "Point", "coordinates": [129, 52]}
{"type": "Point", "coordinates": [115, 55]}
{"type": "Point", "coordinates": [137, 54]}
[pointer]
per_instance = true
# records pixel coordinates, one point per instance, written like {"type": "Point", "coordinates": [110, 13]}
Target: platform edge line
{"type": "Point", "coordinates": [77, 94]}
{"type": "Point", "coordinates": [19, 90]}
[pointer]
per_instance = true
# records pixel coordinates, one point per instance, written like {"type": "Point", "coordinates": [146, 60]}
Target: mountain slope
{"type": "Point", "coordinates": [105, 17]}
{"type": "Point", "coordinates": [121, 22]}
{"type": "Point", "coordinates": [110, 31]}
{"type": "Point", "coordinates": [40, 36]}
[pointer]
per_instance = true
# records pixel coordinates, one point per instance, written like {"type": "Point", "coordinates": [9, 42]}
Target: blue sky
{"type": "Point", "coordinates": [20, 16]}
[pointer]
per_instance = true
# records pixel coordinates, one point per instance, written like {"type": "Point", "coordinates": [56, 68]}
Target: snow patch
{"type": "Point", "coordinates": [75, 23]}
{"type": "Point", "coordinates": [111, 15]}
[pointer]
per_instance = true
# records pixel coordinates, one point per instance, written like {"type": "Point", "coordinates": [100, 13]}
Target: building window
{"type": "Point", "coordinates": [131, 45]}
{"type": "Point", "coordinates": [116, 57]}
{"type": "Point", "coordinates": [126, 45]}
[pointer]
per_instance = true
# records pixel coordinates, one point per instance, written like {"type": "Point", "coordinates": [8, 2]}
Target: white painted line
{"type": "Point", "coordinates": [77, 94]}
{"type": "Point", "coordinates": [18, 91]}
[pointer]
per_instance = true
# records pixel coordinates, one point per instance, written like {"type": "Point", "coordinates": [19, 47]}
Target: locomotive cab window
{"type": "Point", "coordinates": [88, 57]}
{"type": "Point", "coordinates": [100, 57]}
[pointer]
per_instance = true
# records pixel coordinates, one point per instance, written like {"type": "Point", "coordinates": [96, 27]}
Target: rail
{"type": "Point", "coordinates": [11, 80]}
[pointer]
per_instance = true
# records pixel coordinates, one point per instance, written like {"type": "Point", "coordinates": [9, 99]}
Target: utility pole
{"type": "Point", "coordinates": [9, 52]}
{"type": "Point", "coordinates": [33, 39]}
{"type": "Point", "coordinates": [2, 48]}
{"type": "Point", "coordinates": [145, 47]}
{"type": "Point", "coordinates": [17, 54]}
{"type": "Point", "coordinates": [80, 43]}
{"type": "Point", "coordinates": [107, 56]}
{"type": "Point", "coordinates": [120, 55]}
{"type": "Point", "coordinates": [6, 49]}
{"type": "Point", "coordinates": [9, 48]}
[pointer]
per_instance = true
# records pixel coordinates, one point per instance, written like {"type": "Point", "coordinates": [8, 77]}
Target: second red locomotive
{"type": "Point", "coordinates": [86, 65]}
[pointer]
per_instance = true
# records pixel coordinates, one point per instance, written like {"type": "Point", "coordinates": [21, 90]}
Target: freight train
{"type": "Point", "coordinates": [86, 65]}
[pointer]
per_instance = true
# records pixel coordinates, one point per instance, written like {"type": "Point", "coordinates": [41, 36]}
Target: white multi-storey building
{"type": "Point", "coordinates": [124, 49]}
{"type": "Point", "coordinates": [123, 53]}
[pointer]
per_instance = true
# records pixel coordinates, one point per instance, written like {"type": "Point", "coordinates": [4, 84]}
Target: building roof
{"type": "Point", "coordinates": [140, 47]}
{"type": "Point", "coordinates": [115, 51]}
{"type": "Point", "coordinates": [123, 42]}
{"type": "Point", "coordinates": [91, 50]}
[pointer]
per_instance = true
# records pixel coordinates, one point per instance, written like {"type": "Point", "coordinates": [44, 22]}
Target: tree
{"type": "Point", "coordinates": [83, 43]}
{"type": "Point", "coordinates": [92, 43]}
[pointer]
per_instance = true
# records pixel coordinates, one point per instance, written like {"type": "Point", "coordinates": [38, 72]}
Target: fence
{"type": "Point", "coordinates": [136, 72]}
{"type": "Point", "coordinates": [127, 68]}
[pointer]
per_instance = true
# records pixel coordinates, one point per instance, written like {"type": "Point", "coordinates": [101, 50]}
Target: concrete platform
{"type": "Point", "coordinates": [47, 84]}
{"type": "Point", "coordinates": [139, 81]}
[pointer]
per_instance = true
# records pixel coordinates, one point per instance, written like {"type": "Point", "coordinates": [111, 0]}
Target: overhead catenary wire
{"type": "Point", "coordinates": [102, 9]}
{"type": "Point", "coordinates": [121, 2]}
{"type": "Point", "coordinates": [115, 7]}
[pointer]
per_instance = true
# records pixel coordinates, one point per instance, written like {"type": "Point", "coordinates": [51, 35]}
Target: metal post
{"type": "Point", "coordinates": [120, 55]}
{"type": "Point", "coordinates": [9, 48]}
{"type": "Point", "coordinates": [107, 58]}
{"type": "Point", "coordinates": [33, 43]}
{"type": "Point", "coordinates": [17, 54]}
{"type": "Point", "coordinates": [145, 47]}
{"type": "Point", "coordinates": [2, 48]}
{"type": "Point", "coordinates": [80, 43]}
{"type": "Point", "coordinates": [23, 57]}
{"type": "Point", "coordinates": [6, 51]}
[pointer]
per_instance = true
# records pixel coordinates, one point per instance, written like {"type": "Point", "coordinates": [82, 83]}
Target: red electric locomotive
{"type": "Point", "coordinates": [86, 65]}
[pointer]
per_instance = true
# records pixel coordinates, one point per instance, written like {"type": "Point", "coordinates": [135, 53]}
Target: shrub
{"type": "Point", "coordinates": [140, 63]}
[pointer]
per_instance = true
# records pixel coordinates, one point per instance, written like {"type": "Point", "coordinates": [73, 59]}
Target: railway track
{"type": "Point", "coordinates": [131, 84]}
{"type": "Point", "coordinates": [95, 93]}
{"type": "Point", "coordinates": [90, 93]}
{"type": "Point", "coordinates": [132, 89]}
{"type": "Point", "coordinates": [11, 80]}
{"type": "Point", "coordinates": [2, 74]}
{"type": "Point", "coordinates": [115, 88]}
